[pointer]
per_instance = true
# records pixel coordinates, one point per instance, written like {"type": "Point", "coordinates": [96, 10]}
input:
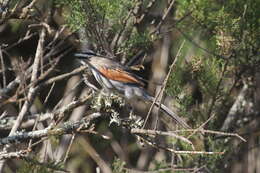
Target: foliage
{"type": "Point", "coordinates": [87, 13]}
{"type": "Point", "coordinates": [208, 72]}
{"type": "Point", "coordinates": [220, 56]}
{"type": "Point", "coordinates": [230, 30]}
{"type": "Point", "coordinates": [35, 166]}
{"type": "Point", "coordinates": [105, 18]}
{"type": "Point", "coordinates": [234, 25]}
{"type": "Point", "coordinates": [118, 166]}
{"type": "Point", "coordinates": [138, 41]}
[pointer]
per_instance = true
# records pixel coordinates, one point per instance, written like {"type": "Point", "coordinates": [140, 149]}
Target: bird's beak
{"type": "Point", "coordinates": [81, 55]}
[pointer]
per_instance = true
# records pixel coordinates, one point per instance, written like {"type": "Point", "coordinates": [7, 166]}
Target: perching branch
{"type": "Point", "coordinates": [66, 128]}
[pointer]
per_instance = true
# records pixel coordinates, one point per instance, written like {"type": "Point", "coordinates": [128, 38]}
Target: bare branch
{"type": "Point", "coordinates": [67, 128]}
{"type": "Point", "coordinates": [32, 90]}
{"type": "Point", "coordinates": [212, 132]}
{"type": "Point", "coordinates": [95, 156]}
{"type": "Point", "coordinates": [157, 132]}
{"type": "Point", "coordinates": [8, 122]}
{"type": "Point", "coordinates": [2, 67]}
{"type": "Point", "coordinates": [164, 83]}
{"type": "Point", "coordinates": [149, 142]}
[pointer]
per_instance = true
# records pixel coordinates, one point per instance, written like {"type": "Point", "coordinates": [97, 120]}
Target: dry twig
{"type": "Point", "coordinates": [65, 129]}
{"type": "Point", "coordinates": [164, 84]}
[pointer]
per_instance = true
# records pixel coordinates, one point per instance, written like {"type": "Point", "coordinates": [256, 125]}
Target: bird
{"type": "Point", "coordinates": [114, 77]}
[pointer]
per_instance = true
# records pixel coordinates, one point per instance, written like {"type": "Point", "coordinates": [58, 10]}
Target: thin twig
{"type": "Point", "coordinates": [212, 132]}
{"type": "Point", "coordinates": [64, 76]}
{"type": "Point", "coordinates": [3, 67]}
{"type": "Point", "coordinates": [34, 127]}
{"type": "Point", "coordinates": [157, 132]}
{"type": "Point", "coordinates": [61, 112]}
{"type": "Point", "coordinates": [149, 142]}
{"type": "Point", "coordinates": [27, 36]}
{"type": "Point", "coordinates": [163, 18]}
{"type": "Point", "coordinates": [160, 170]}
{"type": "Point", "coordinates": [164, 83]}
{"type": "Point", "coordinates": [198, 46]}
{"type": "Point", "coordinates": [66, 95]}
{"type": "Point", "coordinates": [49, 93]}
{"type": "Point", "coordinates": [69, 147]}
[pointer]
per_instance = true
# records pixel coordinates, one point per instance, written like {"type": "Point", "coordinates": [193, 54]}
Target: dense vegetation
{"type": "Point", "coordinates": [200, 57]}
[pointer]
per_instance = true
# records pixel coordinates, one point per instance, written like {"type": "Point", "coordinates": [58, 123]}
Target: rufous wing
{"type": "Point", "coordinates": [120, 75]}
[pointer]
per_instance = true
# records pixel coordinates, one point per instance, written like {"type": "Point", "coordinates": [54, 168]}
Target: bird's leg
{"type": "Point", "coordinates": [131, 111]}
{"type": "Point", "coordinates": [134, 120]}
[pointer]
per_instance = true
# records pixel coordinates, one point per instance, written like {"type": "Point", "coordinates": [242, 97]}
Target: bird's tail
{"type": "Point", "coordinates": [169, 112]}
